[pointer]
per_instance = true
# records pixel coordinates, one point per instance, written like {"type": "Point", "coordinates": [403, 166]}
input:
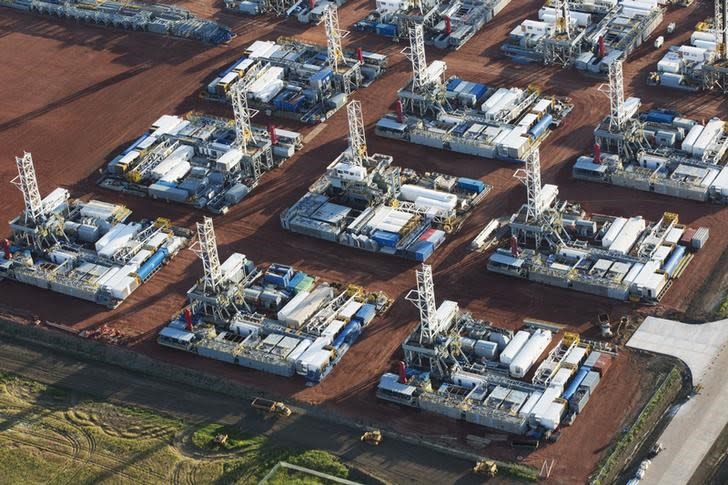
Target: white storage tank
{"type": "Point", "coordinates": [412, 192]}
{"type": "Point", "coordinates": [515, 345]}
{"type": "Point", "coordinates": [531, 351]}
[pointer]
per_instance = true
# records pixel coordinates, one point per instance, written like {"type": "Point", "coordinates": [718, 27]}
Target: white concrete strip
{"type": "Point", "coordinates": [696, 345]}
{"type": "Point", "coordinates": [699, 422]}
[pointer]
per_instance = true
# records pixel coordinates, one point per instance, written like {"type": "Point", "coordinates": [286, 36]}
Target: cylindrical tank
{"type": "Point", "coordinates": [672, 262]}
{"type": "Point", "coordinates": [154, 262]}
{"type": "Point", "coordinates": [188, 318]}
{"type": "Point", "coordinates": [243, 329]}
{"type": "Point", "coordinates": [531, 350]}
{"type": "Point", "coordinates": [411, 192]}
{"type": "Point", "coordinates": [428, 203]}
{"type": "Point", "coordinates": [541, 126]}
{"type": "Point", "coordinates": [512, 349]}
{"type": "Point", "coordinates": [402, 371]}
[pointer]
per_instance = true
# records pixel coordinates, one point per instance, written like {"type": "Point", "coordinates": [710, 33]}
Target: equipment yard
{"type": "Point", "coordinates": [77, 95]}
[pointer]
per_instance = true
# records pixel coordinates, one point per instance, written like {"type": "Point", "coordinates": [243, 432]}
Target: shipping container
{"type": "Point", "coordinates": [603, 364]}
{"type": "Point", "coordinates": [592, 359]}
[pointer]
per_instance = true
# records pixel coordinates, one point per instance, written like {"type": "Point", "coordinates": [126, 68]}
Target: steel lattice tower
{"type": "Point", "coordinates": [563, 19]}
{"type": "Point", "coordinates": [416, 54]}
{"type": "Point", "coordinates": [615, 91]}
{"type": "Point", "coordinates": [27, 182]}
{"type": "Point", "coordinates": [357, 136]}
{"type": "Point", "coordinates": [334, 35]}
{"type": "Point", "coordinates": [243, 130]}
{"type": "Point", "coordinates": [531, 178]}
{"type": "Point", "coordinates": [721, 29]}
{"type": "Point", "coordinates": [424, 299]}
{"type": "Point", "coordinates": [206, 249]}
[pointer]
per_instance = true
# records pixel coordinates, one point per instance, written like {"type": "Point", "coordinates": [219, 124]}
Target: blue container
{"type": "Point", "coordinates": [309, 93]}
{"type": "Point", "coordinates": [471, 185]}
{"type": "Point", "coordinates": [571, 388]}
{"type": "Point", "coordinates": [386, 238]}
{"type": "Point", "coordinates": [321, 56]}
{"type": "Point", "coordinates": [479, 90]}
{"type": "Point", "coordinates": [674, 260]}
{"type": "Point", "coordinates": [539, 128]}
{"type": "Point", "coordinates": [659, 117]}
{"type": "Point", "coordinates": [453, 83]}
{"type": "Point", "coordinates": [388, 30]}
{"type": "Point", "coordinates": [366, 313]}
{"type": "Point", "coordinates": [423, 250]}
{"type": "Point", "coordinates": [297, 278]}
{"type": "Point", "coordinates": [154, 262]}
{"type": "Point", "coordinates": [278, 275]}
{"type": "Point", "coordinates": [323, 74]}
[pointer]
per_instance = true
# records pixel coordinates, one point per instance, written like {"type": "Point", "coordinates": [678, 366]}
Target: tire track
{"type": "Point", "coordinates": [117, 467]}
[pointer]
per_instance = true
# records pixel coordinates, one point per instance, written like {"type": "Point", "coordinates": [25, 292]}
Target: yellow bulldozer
{"type": "Point", "coordinates": [373, 437]}
{"type": "Point", "coordinates": [486, 467]}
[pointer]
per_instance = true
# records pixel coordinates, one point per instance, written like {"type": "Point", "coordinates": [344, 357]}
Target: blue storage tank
{"type": "Point", "coordinates": [672, 262]}
{"type": "Point", "coordinates": [659, 117]}
{"type": "Point", "coordinates": [366, 313]}
{"type": "Point", "coordinates": [389, 30]}
{"type": "Point", "coordinates": [348, 334]}
{"type": "Point", "coordinates": [542, 125]}
{"type": "Point", "coordinates": [471, 185]}
{"type": "Point", "coordinates": [571, 388]}
{"type": "Point", "coordinates": [154, 262]}
{"type": "Point", "coordinates": [386, 238]}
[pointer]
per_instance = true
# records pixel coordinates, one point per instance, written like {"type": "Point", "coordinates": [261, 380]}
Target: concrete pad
{"type": "Point", "coordinates": [696, 345]}
{"type": "Point", "coordinates": [697, 423]}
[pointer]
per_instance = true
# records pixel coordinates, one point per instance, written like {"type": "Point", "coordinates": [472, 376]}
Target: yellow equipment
{"type": "Point", "coordinates": [373, 437]}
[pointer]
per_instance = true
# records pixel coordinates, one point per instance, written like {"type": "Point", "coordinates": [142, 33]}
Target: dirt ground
{"type": "Point", "coordinates": [74, 95]}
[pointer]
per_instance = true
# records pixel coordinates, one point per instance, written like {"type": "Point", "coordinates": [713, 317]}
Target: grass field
{"type": "Point", "coordinates": [52, 437]}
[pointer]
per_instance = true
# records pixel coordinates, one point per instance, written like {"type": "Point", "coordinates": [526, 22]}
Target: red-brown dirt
{"type": "Point", "coordinates": [75, 94]}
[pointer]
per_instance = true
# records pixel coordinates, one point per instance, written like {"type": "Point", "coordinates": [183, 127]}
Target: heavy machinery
{"type": "Point", "coordinates": [271, 407]}
{"type": "Point", "coordinates": [486, 467]}
{"type": "Point", "coordinates": [220, 440]}
{"type": "Point", "coordinates": [605, 325]}
{"type": "Point", "coordinates": [373, 437]}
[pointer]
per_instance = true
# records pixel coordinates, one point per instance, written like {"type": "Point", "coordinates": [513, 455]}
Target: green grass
{"type": "Point", "coordinates": [520, 472]}
{"type": "Point", "coordinates": [204, 438]}
{"type": "Point", "coordinates": [723, 309]}
{"type": "Point", "coordinates": [320, 461]}
{"type": "Point", "coordinates": [73, 439]}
